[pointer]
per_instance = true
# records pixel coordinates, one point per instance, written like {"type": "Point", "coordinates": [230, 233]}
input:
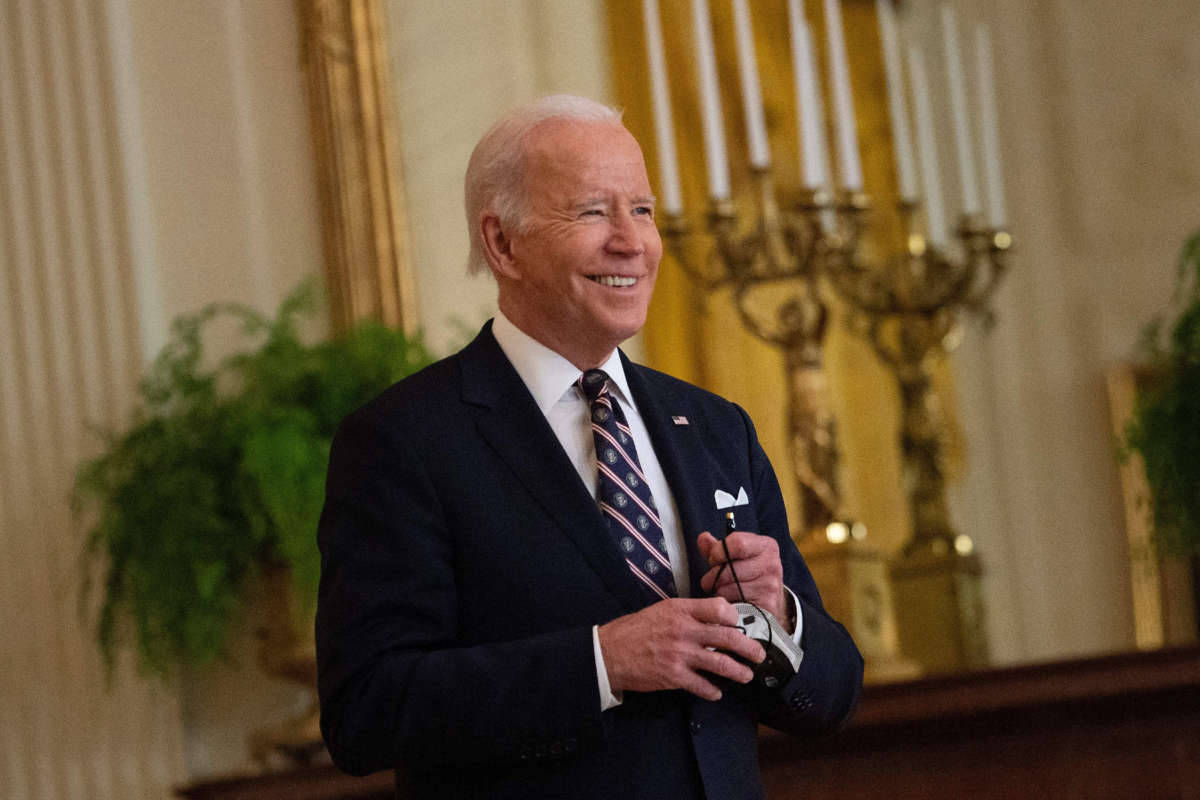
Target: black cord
{"type": "Point", "coordinates": [729, 526]}
{"type": "Point", "coordinates": [732, 571]}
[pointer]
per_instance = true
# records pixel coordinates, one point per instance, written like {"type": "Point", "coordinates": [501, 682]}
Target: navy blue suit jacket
{"type": "Point", "coordinates": [464, 564]}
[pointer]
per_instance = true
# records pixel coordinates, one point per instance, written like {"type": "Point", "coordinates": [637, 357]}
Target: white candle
{"type": "Point", "coordinates": [992, 174]}
{"type": "Point", "coordinates": [664, 127]}
{"type": "Point", "coordinates": [935, 215]}
{"type": "Point", "coordinates": [843, 102]}
{"type": "Point", "coordinates": [810, 112]}
{"type": "Point", "coordinates": [710, 104]}
{"type": "Point", "coordinates": [756, 127]}
{"type": "Point", "coordinates": [897, 105]}
{"type": "Point", "coordinates": [958, 110]}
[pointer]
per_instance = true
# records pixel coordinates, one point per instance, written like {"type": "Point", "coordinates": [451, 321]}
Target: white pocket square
{"type": "Point", "coordinates": [726, 500]}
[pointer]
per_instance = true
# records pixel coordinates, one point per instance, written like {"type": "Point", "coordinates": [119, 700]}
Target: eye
{"type": "Point", "coordinates": [644, 211]}
{"type": "Point", "coordinates": [592, 212]}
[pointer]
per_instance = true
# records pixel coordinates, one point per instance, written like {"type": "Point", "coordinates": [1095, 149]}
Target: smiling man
{"type": "Point", "coordinates": [520, 593]}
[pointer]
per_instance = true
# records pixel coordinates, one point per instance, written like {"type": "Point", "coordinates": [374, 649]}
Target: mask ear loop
{"type": "Point", "coordinates": [730, 524]}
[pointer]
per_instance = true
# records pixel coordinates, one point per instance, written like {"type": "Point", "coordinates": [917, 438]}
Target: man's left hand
{"type": "Point", "coordinates": [756, 559]}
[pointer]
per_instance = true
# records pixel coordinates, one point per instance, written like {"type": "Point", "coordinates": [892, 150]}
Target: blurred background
{"type": "Point", "coordinates": [158, 156]}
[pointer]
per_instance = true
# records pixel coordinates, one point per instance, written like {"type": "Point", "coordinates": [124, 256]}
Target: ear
{"type": "Point", "coordinates": [497, 247]}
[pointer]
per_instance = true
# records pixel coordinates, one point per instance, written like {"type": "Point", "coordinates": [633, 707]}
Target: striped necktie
{"type": "Point", "coordinates": [622, 492]}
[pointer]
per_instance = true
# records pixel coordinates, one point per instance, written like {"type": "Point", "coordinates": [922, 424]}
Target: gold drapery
{"type": "Point", "coordinates": [700, 338]}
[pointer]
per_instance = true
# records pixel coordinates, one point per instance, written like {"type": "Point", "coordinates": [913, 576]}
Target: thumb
{"type": "Point", "coordinates": [706, 542]}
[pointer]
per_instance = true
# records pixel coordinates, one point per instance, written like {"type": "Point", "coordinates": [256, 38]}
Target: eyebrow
{"type": "Point", "coordinates": [646, 199]}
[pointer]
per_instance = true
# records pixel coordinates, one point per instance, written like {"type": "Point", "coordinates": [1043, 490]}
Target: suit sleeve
{"type": "Point", "coordinates": [394, 684]}
{"type": "Point", "coordinates": [824, 692]}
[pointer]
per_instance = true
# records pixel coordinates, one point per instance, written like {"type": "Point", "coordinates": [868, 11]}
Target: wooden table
{"type": "Point", "coordinates": [1121, 727]}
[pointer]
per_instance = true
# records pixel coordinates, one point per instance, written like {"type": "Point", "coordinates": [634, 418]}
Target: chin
{"type": "Point", "coordinates": [626, 329]}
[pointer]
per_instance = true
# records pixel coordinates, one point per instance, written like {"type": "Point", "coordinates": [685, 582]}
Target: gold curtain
{"type": "Point", "coordinates": [700, 338]}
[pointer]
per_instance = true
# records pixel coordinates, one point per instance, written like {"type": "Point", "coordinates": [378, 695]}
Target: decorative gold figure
{"type": "Point", "coordinates": [774, 273]}
{"type": "Point", "coordinates": [910, 312]}
{"type": "Point", "coordinates": [777, 266]}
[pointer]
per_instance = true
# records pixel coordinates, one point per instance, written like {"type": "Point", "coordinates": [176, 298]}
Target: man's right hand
{"type": "Point", "coordinates": [677, 644]}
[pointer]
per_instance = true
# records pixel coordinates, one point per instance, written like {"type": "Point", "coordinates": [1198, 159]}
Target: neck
{"type": "Point", "coordinates": [583, 357]}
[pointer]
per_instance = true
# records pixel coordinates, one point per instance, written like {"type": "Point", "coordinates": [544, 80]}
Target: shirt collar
{"type": "Point", "coordinates": [546, 374]}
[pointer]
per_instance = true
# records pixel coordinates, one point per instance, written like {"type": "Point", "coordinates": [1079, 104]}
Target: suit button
{"type": "Point", "coordinates": [695, 726]}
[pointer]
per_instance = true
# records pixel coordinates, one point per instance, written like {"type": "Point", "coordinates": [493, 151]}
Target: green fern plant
{"type": "Point", "coordinates": [222, 473]}
{"type": "Point", "coordinates": [1165, 428]}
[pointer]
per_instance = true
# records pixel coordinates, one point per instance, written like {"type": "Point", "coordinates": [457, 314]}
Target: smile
{"type": "Point", "coordinates": [613, 280]}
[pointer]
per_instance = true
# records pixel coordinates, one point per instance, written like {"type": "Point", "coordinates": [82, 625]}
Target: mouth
{"type": "Point", "coordinates": [619, 281]}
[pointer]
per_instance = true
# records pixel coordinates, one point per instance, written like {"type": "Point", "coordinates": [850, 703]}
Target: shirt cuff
{"type": "Point", "coordinates": [799, 620]}
{"type": "Point", "coordinates": [607, 698]}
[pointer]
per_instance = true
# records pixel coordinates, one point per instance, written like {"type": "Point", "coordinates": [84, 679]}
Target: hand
{"type": "Point", "coordinates": [756, 559]}
{"type": "Point", "coordinates": [671, 644]}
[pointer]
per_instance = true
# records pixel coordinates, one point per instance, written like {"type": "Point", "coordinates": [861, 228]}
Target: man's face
{"type": "Point", "coordinates": [579, 276]}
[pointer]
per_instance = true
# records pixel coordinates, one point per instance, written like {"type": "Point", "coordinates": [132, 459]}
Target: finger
{"type": "Point", "coordinates": [764, 585]}
{"type": "Point", "coordinates": [711, 610]}
{"type": "Point", "coordinates": [746, 545]}
{"type": "Point", "coordinates": [713, 549]}
{"type": "Point", "coordinates": [748, 571]}
{"type": "Point", "coordinates": [732, 641]}
{"type": "Point", "coordinates": [723, 665]}
{"type": "Point", "coordinates": [699, 686]}
{"type": "Point", "coordinates": [708, 579]}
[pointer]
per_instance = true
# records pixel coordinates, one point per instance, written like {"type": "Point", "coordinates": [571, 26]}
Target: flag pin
{"type": "Point", "coordinates": [679, 420]}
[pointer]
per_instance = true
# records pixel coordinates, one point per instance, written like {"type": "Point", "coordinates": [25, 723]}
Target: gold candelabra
{"type": "Point", "coordinates": [910, 310]}
{"type": "Point", "coordinates": [773, 272]}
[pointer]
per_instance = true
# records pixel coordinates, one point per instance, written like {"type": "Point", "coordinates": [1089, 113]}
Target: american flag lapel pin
{"type": "Point", "coordinates": [679, 420]}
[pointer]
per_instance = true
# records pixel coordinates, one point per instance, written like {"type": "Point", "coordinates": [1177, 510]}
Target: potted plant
{"type": "Point", "coordinates": [219, 479]}
{"type": "Point", "coordinates": [1165, 428]}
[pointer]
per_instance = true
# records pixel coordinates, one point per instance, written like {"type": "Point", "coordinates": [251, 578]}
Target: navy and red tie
{"type": "Point", "coordinates": [622, 492]}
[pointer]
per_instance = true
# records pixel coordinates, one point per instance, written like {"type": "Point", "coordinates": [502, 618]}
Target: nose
{"type": "Point", "coordinates": [625, 238]}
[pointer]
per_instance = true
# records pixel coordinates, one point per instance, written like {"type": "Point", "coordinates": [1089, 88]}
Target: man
{"type": "Point", "coordinates": [501, 615]}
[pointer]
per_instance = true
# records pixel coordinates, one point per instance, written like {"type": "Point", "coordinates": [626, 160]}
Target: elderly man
{"type": "Point", "coordinates": [521, 596]}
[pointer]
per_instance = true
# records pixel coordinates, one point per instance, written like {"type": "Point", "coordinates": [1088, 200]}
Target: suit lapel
{"type": "Point", "coordinates": [682, 456]}
{"type": "Point", "coordinates": [515, 427]}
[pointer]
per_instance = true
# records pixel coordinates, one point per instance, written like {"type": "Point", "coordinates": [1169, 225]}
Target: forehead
{"type": "Point", "coordinates": [568, 157]}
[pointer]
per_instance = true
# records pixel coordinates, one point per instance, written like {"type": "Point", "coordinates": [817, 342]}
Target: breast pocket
{"type": "Point", "coordinates": [733, 509]}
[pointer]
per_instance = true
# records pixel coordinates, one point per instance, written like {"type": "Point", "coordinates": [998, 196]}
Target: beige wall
{"type": "Point", "coordinates": [154, 156]}
{"type": "Point", "coordinates": [1102, 152]}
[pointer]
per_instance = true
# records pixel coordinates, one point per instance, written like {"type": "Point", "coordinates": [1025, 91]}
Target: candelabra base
{"type": "Point", "coordinates": [853, 580]}
{"type": "Point", "coordinates": [941, 617]}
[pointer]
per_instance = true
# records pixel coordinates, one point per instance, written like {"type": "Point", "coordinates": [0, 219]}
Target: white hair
{"type": "Point", "coordinates": [494, 174]}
